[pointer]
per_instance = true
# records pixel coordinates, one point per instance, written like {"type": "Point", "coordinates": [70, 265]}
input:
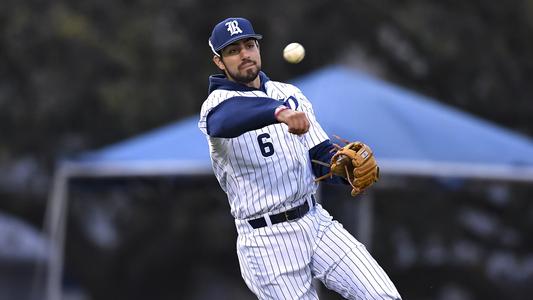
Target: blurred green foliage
{"type": "Point", "coordinates": [81, 74]}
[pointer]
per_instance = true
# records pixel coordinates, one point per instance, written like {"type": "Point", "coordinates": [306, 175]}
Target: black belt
{"type": "Point", "coordinates": [289, 215]}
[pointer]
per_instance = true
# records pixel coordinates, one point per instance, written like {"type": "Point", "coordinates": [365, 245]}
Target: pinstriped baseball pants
{"type": "Point", "coordinates": [280, 261]}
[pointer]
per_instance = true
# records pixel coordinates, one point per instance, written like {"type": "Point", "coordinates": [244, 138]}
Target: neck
{"type": "Point", "coordinates": [256, 83]}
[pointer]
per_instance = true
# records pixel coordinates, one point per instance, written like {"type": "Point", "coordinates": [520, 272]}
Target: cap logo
{"type": "Point", "coordinates": [233, 27]}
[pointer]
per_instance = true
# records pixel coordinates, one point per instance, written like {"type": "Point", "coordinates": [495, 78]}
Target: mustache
{"type": "Point", "coordinates": [246, 61]}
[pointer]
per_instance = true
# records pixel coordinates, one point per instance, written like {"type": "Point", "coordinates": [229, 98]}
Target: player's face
{"type": "Point", "coordinates": [241, 61]}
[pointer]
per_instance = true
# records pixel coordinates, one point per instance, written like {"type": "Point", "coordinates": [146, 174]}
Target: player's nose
{"type": "Point", "coordinates": [245, 54]}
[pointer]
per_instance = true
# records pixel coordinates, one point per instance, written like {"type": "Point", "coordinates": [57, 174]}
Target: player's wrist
{"type": "Point", "coordinates": [279, 110]}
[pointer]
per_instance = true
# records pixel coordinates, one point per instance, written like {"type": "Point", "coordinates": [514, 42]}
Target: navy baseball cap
{"type": "Point", "coordinates": [231, 30]}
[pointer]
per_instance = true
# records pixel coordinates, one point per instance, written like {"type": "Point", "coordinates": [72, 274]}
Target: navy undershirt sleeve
{"type": "Point", "coordinates": [323, 152]}
{"type": "Point", "coordinates": [238, 115]}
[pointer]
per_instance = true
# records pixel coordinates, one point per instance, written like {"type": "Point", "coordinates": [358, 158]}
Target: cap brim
{"type": "Point", "coordinates": [238, 38]}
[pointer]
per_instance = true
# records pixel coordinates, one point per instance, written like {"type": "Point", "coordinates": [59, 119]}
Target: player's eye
{"type": "Point", "coordinates": [232, 51]}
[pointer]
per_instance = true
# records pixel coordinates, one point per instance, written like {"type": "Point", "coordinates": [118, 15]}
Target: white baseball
{"type": "Point", "coordinates": [294, 53]}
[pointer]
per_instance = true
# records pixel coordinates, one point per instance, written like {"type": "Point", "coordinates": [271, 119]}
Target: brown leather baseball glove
{"type": "Point", "coordinates": [356, 163]}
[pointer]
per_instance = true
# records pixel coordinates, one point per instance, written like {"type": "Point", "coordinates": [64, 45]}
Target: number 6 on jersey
{"type": "Point", "coordinates": [267, 148]}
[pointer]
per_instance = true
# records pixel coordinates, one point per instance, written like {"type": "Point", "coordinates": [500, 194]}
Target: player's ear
{"type": "Point", "coordinates": [218, 62]}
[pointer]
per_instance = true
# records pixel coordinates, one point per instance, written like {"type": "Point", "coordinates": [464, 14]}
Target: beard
{"type": "Point", "coordinates": [245, 76]}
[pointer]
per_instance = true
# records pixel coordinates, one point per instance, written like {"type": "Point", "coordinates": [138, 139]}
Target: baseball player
{"type": "Point", "coordinates": [262, 136]}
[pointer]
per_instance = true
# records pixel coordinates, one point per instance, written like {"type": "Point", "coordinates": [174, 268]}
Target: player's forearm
{"type": "Point", "coordinates": [238, 115]}
{"type": "Point", "coordinates": [323, 152]}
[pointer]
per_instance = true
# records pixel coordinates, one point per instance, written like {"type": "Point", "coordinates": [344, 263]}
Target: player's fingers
{"type": "Point", "coordinates": [307, 125]}
{"type": "Point", "coordinates": [296, 130]}
{"type": "Point", "coordinates": [303, 123]}
{"type": "Point", "coordinates": [295, 126]}
{"type": "Point", "coordinates": [300, 125]}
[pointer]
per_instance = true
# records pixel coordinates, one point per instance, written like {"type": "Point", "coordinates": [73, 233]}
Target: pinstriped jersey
{"type": "Point", "coordinates": [267, 170]}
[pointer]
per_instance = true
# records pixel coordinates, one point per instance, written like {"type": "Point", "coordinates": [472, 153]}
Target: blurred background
{"type": "Point", "coordinates": [79, 75]}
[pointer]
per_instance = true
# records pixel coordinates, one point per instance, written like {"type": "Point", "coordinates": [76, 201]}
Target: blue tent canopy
{"type": "Point", "coordinates": [410, 134]}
